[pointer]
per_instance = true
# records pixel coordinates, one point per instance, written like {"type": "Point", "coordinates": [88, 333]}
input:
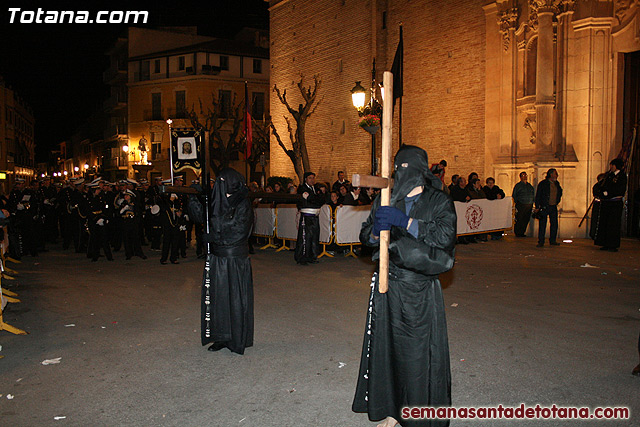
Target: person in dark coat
{"type": "Point", "coordinates": [98, 218]}
{"type": "Point", "coordinates": [610, 193]}
{"type": "Point", "coordinates": [227, 291]}
{"type": "Point", "coordinates": [171, 213]}
{"type": "Point", "coordinates": [548, 196]}
{"type": "Point", "coordinates": [308, 244]}
{"type": "Point", "coordinates": [523, 195]}
{"type": "Point", "coordinates": [405, 354]}
{"type": "Point", "coordinates": [595, 205]}
{"type": "Point", "coordinates": [131, 216]}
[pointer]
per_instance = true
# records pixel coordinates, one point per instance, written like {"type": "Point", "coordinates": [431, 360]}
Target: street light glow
{"type": "Point", "coordinates": [358, 96]}
{"type": "Point", "coordinates": [76, 169]}
{"type": "Point", "coordinates": [86, 166]}
{"type": "Point", "coordinates": [169, 121]}
{"type": "Point", "coordinates": [125, 148]}
{"type": "Point", "coordinates": [65, 173]}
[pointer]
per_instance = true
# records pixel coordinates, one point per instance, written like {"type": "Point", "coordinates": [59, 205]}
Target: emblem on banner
{"type": "Point", "coordinates": [186, 149]}
{"type": "Point", "coordinates": [474, 216]}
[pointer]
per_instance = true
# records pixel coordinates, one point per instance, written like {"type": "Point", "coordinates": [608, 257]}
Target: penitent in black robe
{"type": "Point", "coordinates": [227, 291]}
{"type": "Point", "coordinates": [405, 355]}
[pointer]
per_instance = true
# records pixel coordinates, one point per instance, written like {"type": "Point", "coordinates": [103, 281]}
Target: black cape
{"type": "Point", "coordinates": [227, 291]}
{"type": "Point", "coordinates": [405, 354]}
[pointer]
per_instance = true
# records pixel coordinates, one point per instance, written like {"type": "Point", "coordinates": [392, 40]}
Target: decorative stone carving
{"type": "Point", "coordinates": [621, 9]}
{"type": "Point", "coordinates": [553, 6]}
{"type": "Point", "coordinates": [530, 123]}
{"type": "Point", "coordinates": [507, 21]}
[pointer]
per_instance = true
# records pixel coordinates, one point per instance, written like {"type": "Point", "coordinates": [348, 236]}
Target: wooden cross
{"type": "Point", "coordinates": [384, 180]}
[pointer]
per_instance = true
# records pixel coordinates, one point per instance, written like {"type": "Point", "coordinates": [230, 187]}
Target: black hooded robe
{"type": "Point", "coordinates": [405, 354]}
{"type": "Point", "coordinates": [227, 291]}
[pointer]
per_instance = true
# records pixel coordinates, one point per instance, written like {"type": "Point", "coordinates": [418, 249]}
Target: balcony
{"type": "Point", "coordinates": [115, 102]}
{"type": "Point", "coordinates": [114, 75]}
{"type": "Point", "coordinates": [115, 132]}
{"type": "Point", "coordinates": [178, 113]}
{"type": "Point", "coordinates": [210, 70]}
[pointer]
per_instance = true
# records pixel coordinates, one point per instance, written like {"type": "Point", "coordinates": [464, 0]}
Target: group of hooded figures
{"type": "Point", "coordinates": [405, 354]}
{"type": "Point", "coordinates": [100, 217]}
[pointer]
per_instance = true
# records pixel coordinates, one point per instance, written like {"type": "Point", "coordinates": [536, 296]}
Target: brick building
{"type": "Point", "coordinates": [495, 87]}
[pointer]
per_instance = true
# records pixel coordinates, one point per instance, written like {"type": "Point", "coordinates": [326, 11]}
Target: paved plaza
{"type": "Point", "coordinates": [525, 325]}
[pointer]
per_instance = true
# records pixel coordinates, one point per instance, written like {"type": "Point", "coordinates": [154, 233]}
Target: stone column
{"type": "Point", "coordinates": [544, 85]}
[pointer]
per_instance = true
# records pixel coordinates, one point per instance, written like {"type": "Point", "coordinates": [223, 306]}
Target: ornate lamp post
{"type": "Point", "coordinates": [371, 113]}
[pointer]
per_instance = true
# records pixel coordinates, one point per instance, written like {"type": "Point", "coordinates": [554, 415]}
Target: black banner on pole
{"type": "Point", "coordinates": [186, 149]}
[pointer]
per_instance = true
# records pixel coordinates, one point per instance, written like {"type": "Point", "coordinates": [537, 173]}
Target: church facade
{"type": "Point", "coordinates": [493, 87]}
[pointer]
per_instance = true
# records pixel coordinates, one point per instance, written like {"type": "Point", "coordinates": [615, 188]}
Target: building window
{"type": "Point", "coordinates": [156, 106]}
{"type": "Point", "coordinates": [144, 70]}
{"type": "Point", "coordinates": [384, 20]}
{"type": "Point", "coordinates": [224, 99]}
{"type": "Point", "coordinates": [156, 145]}
{"type": "Point", "coordinates": [257, 66]}
{"type": "Point", "coordinates": [257, 105]}
{"type": "Point", "coordinates": [224, 62]}
{"type": "Point", "coordinates": [156, 66]}
{"type": "Point", "coordinates": [181, 105]}
{"type": "Point", "coordinates": [181, 63]}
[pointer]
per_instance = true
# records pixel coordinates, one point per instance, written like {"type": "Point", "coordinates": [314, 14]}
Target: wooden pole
{"type": "Point", "coordinates": [387, 121]}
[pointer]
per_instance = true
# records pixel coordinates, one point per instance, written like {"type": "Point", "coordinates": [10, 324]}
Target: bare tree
{"type": "Point", "coordinates": [298, 151]}
{"type": "Point", "coordinates": [223, 126]}
{"type": "Point", "coordinates": [261, 132]}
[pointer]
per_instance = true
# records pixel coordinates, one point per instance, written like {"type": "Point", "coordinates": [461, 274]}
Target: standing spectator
{"type": "Point", "coordinates": [492, 191]}
{"type": "Point", "coordinates": [308, 245]}
{"type": "Point", "coordinates": [548, 196]}
{"type": "Point", "coordinates": [610, 193]}
{"type": "Point", "coordinates": [341, 181]}
{"type": "Point", "coordinates": [459, 192]}
{"type": "Point", "coordinates": [522, 194]}
{"type": "Point", "coordinates": [474, 189]}
{"type": "Point", "coordinates": [277, 187]}
{"type": "Point", "coordinates": [343, 190]}
{"type": "Point", "coordinates": [333, 201]}
{"type": "Point", "coordinates": [437, 169]}
{"type": "Point", "coordinates": [454, 182]}
{"type": "Point", "coordinates": [352, 198]}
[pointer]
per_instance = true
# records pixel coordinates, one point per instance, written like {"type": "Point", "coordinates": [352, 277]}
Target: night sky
{"type": "Point", "coordinates": [58, 68]}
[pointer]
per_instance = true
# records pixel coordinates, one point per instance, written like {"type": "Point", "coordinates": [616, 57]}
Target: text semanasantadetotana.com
{"type": "Point", "coordinates": [519, 412]}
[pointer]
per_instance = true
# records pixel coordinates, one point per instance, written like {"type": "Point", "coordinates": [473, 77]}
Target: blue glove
{"type": "Point", "coordinates": [388, 215]}
{"type": "Point", "coordinates": [378, 225]}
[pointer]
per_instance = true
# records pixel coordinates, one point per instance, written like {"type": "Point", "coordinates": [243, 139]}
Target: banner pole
{"type": "Point", "coordinates": [169, 121]}
{"type": "Point", "coordinates": [205, 188]}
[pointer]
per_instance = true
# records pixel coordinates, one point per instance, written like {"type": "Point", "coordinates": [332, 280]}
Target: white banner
{"type": "Point", "coordinates": [288, 219]}
{"type": "Point", "coordinates": [265, 220]}
{"type": "Point", "coordinates": [349, 221]}
{"type": "Point", "coordinates": [326, 229]}
{"type": "Point", "coordinates": [482, 215]}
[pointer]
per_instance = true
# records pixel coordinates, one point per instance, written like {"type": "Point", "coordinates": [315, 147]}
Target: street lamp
{"type": "Point", "coordinates": [125, 148]}
{"type": "Point", "coordinates": [373, 108]}
{"type": "Point", "coordinates": [358, 96]}
{"type": "Point", "coordinates": [86, 166]}
{"type": "Point", "coordinates": [76, 169]}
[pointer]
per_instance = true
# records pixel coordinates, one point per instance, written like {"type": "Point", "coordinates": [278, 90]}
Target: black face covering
{"type": "Point", "coordinates": [411, 170]}
{"type": "Point", "coordinates": [229, 182]}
